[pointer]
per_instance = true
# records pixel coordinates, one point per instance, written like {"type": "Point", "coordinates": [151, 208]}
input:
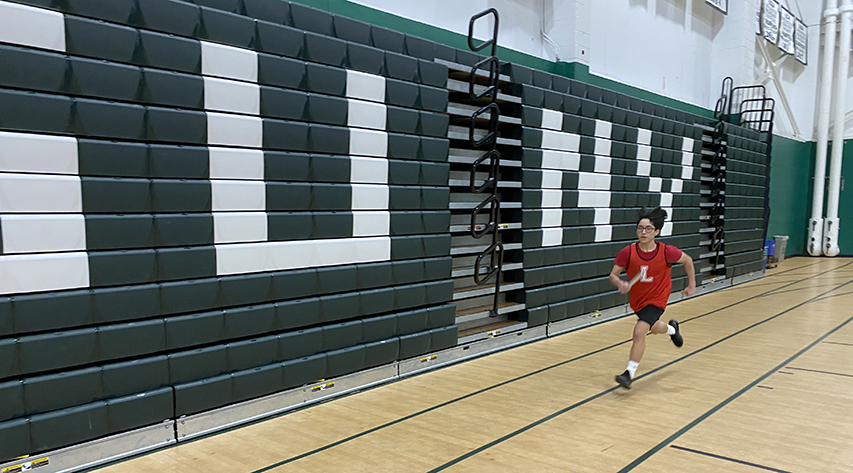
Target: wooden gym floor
{"type": "Point", "coordinates": [764, 382]}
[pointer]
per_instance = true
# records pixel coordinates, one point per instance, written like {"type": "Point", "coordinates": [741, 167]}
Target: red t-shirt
{"type": "Point", "coordinates": [655, 284]}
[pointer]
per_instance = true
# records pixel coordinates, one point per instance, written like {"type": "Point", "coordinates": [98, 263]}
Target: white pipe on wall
{"type": "Point", "coordinates": [831, 222]}
{"type": "Point", "coordinates": [815, 241]}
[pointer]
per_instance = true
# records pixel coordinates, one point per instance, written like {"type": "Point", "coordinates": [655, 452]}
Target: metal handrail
{"type": "Point", "coordinates": [495, 251]}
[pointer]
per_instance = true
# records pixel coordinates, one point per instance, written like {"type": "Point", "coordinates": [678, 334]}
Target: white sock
{"type": "Point", "coordinates": [632, 368]}
{"type": "Point", "coordinates": [670, 330]}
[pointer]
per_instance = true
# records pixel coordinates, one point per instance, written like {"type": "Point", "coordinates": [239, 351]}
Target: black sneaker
{"type": "Point", "coordinates": [677, 339]}
{"type": "Point", "coordinates": [624, 379]}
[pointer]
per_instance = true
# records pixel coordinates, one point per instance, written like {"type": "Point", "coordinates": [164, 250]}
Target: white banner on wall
{"type": "Point", "coordinates": [786, 31]}
{"type": "Point", "coordinates": [722, 5]}
{"type": "Point", "coordinates": [771, 21]}
{"type": "Point", "coordinates": [801, 41]}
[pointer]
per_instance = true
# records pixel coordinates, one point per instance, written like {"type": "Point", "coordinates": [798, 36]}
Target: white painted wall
{"type": "Point", "coordinates": [664, 46]}
{"type": "Point", "coordinates": [677, 48]}
{"type": "Point", "coordinates": [521, 20]}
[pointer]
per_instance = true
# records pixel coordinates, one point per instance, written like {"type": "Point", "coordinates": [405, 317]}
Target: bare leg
{"type": "Point", "coordinates": [659, 327]}
{"type": "Point", "coordinates": [639, 343]}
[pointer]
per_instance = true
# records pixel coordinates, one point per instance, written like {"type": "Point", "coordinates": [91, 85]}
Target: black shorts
{"type": "Point", "coordinates": [650, 314]}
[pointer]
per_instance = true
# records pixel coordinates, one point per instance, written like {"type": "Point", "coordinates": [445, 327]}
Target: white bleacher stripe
{"type": "Point", "coordinates": [552, 120]}
{"type": "Point", "coordinates": [560, 160]}
{"type": "Point", "coordinates": [552, 217]}
{"type": "Point", "coordinates": [43, 272]}
{"type": "Point", "coordinates": [686, 172]}
{"type": "Point", "coordinates": [368, 143]}
{"type": "Point", "coordinates": [603, 129]}
{"type": "Point", "coordinates": [594, 181]}
{"type": "Point", "coordinates": [365, 224]}
{"type": "Point", "coordinates": [593, 198]}
{"type": "Point", "coordinates": [603, 233]}
{"type": "Point", "coordinates": [644, 152]}
{"type": "Point", "coordinates": [677, 186]}
{"type": "Point", "coordinates": [644, 137]}
{"type": "Point", "coordinates": [42, 233]}
{"type": "Point", "coordinates": [644, 168]}
{"type": "Point", "coordinates": [223, 95]}
{"type": "Point", "coordinates": [368, 170]}
{"type": "Point", "coordinates": [369, 197]}
{"type": "Point", "coordinates": [665, 199]}
{"type": "Point", "coordinates": [39, 193]}
{"type": "Point", "coordinates": [552, 179]}
{"type": "Point", "coordinates": [282, 255]}
{"type": "Point", "coordinates": [218, 60]}
{"type": "Point", "coordinates": [361, 85]}
{"type": "Point", "coordinates": [238, 195]}
{"type": "Point", "coordinates": [27, 152]}
{"type": "Point", "coordinates": [234, 130]}
{"type": "Point", "coordinates": [602, 216]}
{"type": "Point", "coordinates": [560, 141]}
{"type": "Point", "coordinates": [235, 227]}
{"type": "Point", "coordinates": [655, 184]}
{"type": "Point", "coordinates": [603, 164]}
{"type": "Point", "coordinates": [687, 158]}
{"type": "Point", "coordinates": [30, 26]}
{"type": "Point", "coordinates": [687, 145]}
{"type": "Point", "coordinates": [552, 198]}
{"type": "Point", "coordinates": [233, 163]}
{"type": "Point", "coordinates": [602, 147]}
{"type": "Point", "coordinates": [365, 114]}
{"type": "Point", "coordinates": [552, 236]}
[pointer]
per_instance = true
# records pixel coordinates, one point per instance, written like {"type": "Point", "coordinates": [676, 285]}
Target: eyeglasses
{"type": "Point", "coordinates": [642, 229]}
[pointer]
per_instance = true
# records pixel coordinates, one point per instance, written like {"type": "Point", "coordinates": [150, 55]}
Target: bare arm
{"type": "Point", "coordinates": [687, 261]}
{"type": "Point", "coordinates": [620, 283]}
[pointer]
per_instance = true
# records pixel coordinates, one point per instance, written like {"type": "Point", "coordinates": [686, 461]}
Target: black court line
{"type": "Point", "coordinates": [819, 371]}
{"type": "Point", "coordinates": [840, 343]}
{"type": "Point", "coordinates": [504, 383]}
{"type": "Point", "coordinates": [776, 292]}
{"type": "Point", "coordinates": [837, 295]}
{"type": "Point", "coordinates": [730, 459]}
{"type": "Point", "coordinates": [607, 391]}
{"type": "Point", "coordinates": [774, 273]}
{"type": "Point", "coordinates": [731, 398]}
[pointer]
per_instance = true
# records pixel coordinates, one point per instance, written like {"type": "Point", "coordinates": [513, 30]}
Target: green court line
{"type": "Point", "coordinates": [607, 391]}
{"type": "Point", "coordinates": [452, 401]}
{"type": "Point", "coordinates": [731, 398]}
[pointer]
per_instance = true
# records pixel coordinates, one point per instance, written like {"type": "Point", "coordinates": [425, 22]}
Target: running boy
{"type": "Point", "coordinates": [649, 264]}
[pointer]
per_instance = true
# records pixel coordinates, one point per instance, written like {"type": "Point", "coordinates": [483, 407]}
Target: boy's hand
{"type": "Point", "coordinates": [624, 287]}
{"type": "Point", "coordinates": [690, 290]}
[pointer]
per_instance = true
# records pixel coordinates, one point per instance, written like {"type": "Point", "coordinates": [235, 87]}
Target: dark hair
{"type": "Point", "coordinates": [656, 215]}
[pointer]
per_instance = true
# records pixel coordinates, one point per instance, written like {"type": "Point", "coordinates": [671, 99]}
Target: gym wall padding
{"type": "Point", "coordinates": [205, 203]}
